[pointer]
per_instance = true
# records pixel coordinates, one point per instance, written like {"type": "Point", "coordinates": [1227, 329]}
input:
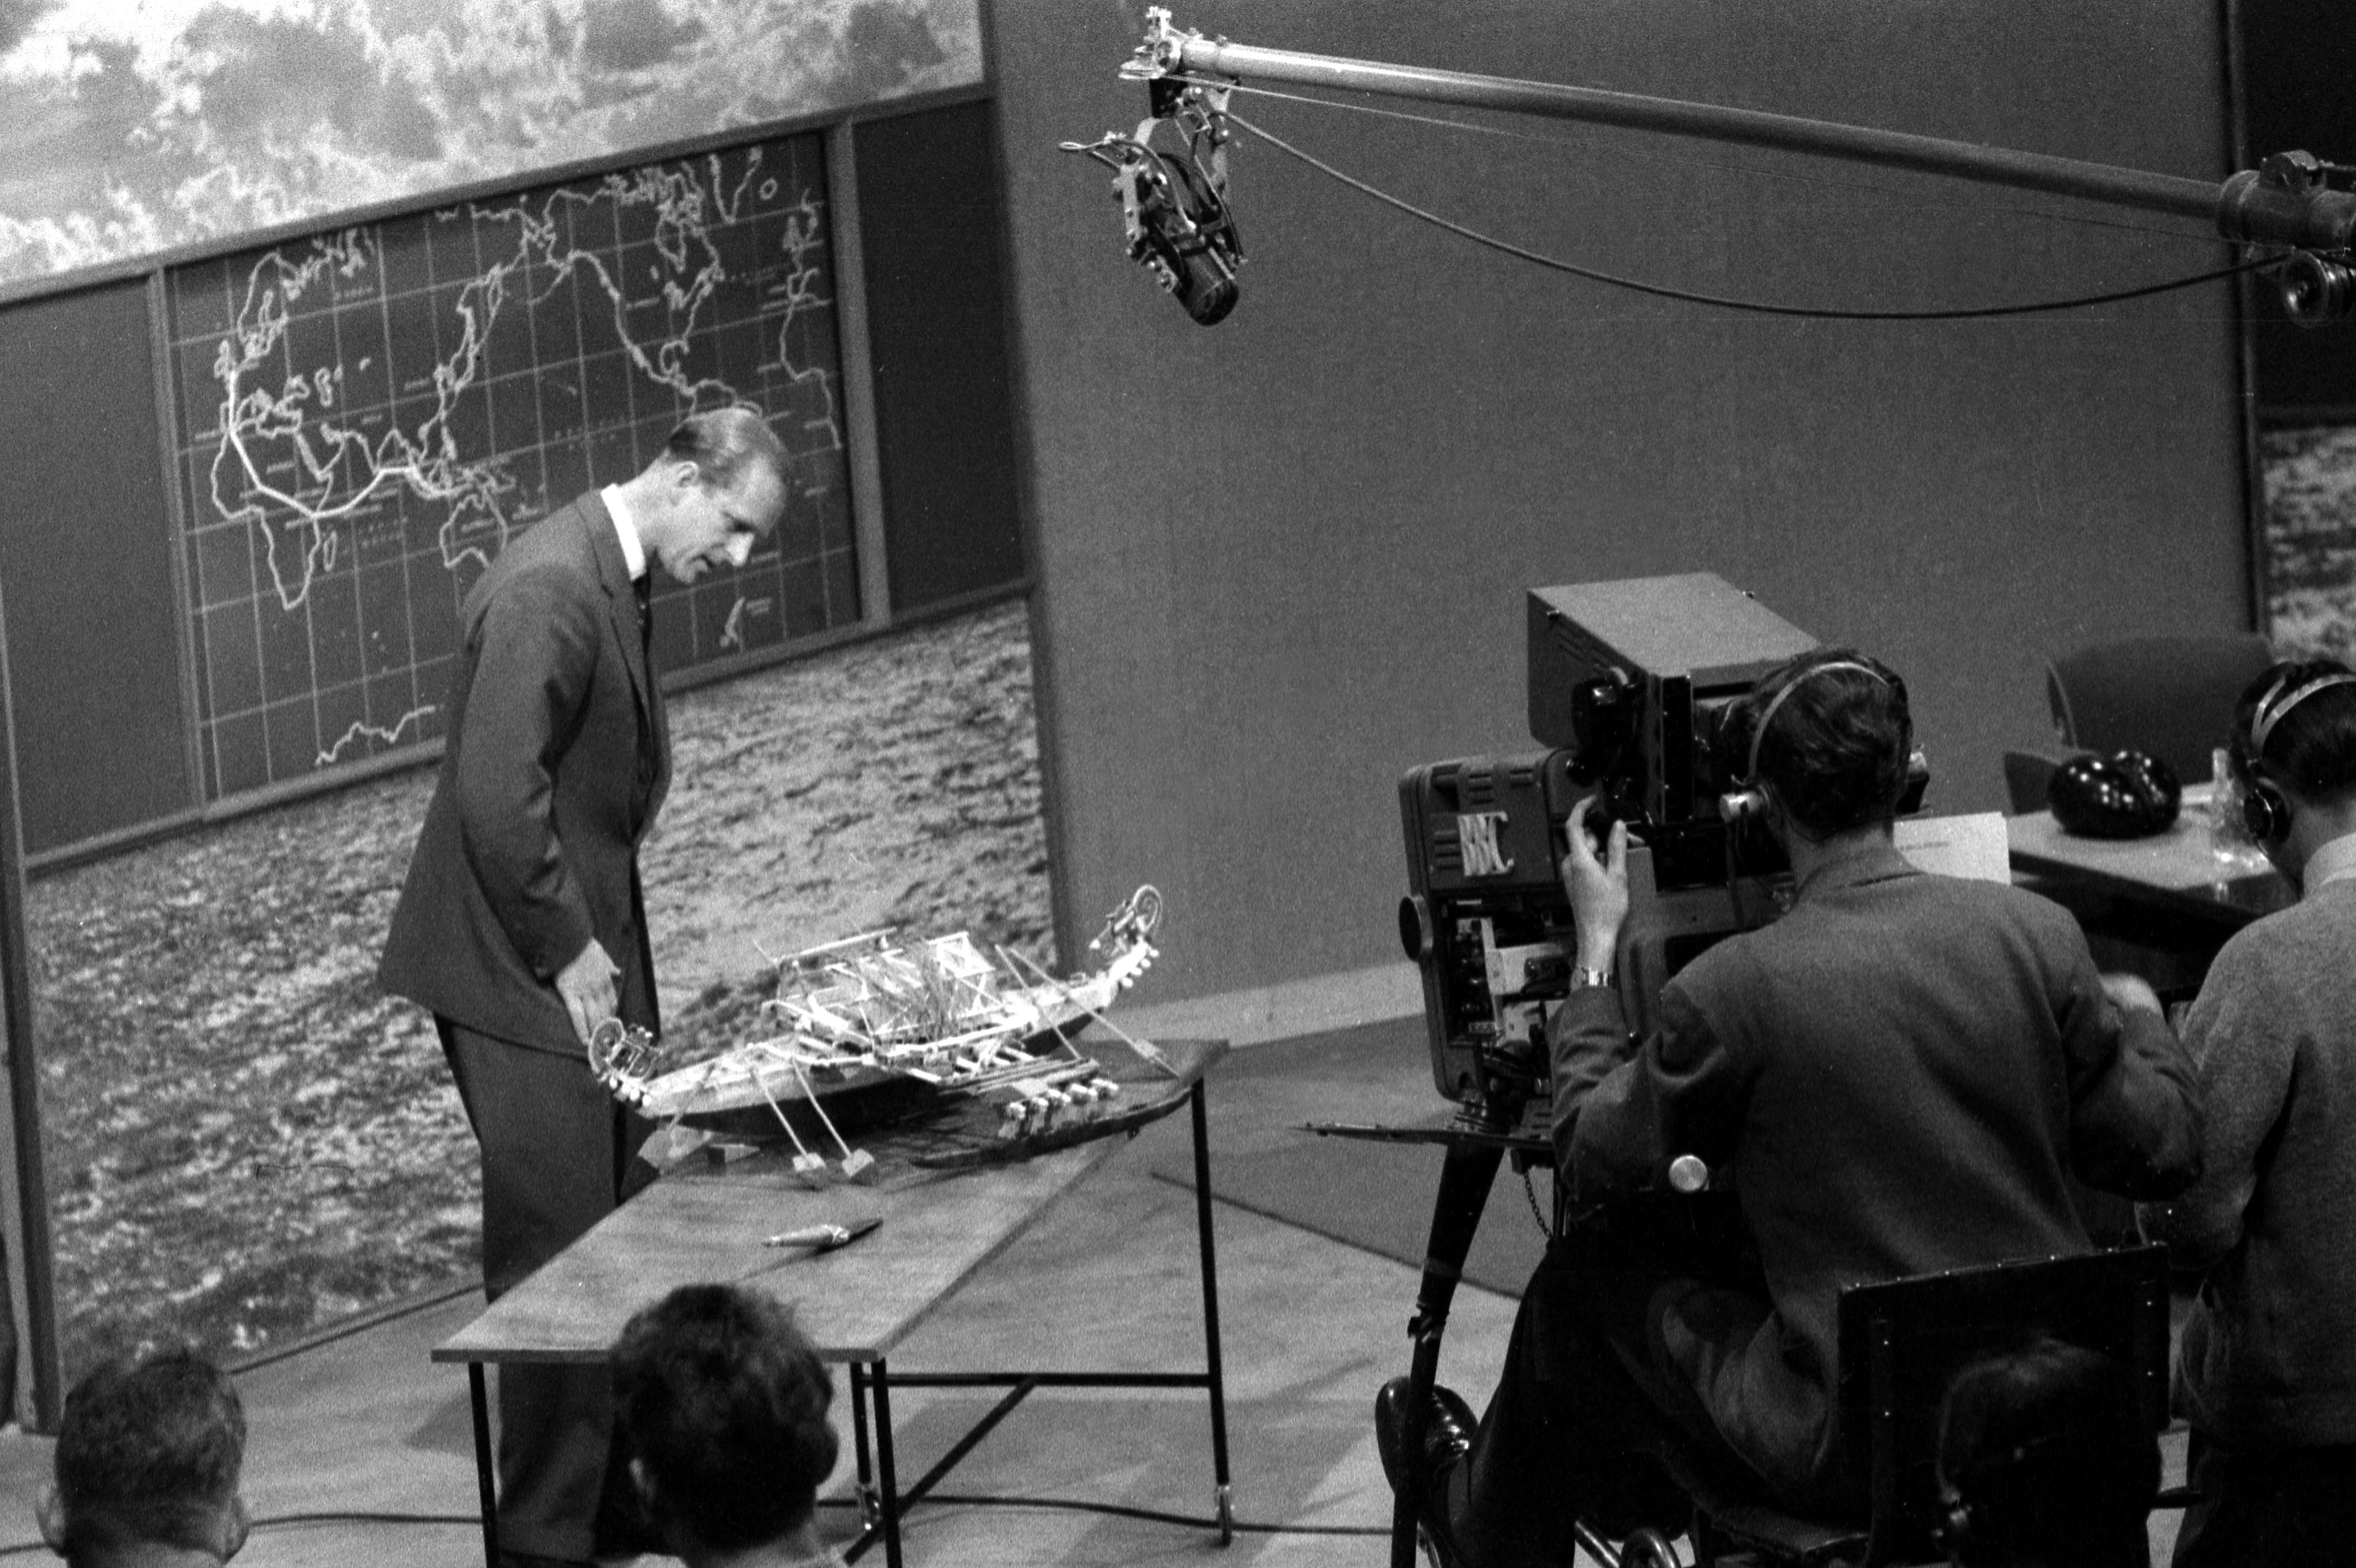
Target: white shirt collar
{"type": "Point", "coordinates": [634, 553]}
{"type": "Point", "coordinates": [2332, 862]}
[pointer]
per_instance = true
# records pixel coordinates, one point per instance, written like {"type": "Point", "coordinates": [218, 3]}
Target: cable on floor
{"type": "Point", "coordinates": [277, 1520]}
{"type": "Point", "coordinates": [473, 1522]}
{"type": "Point", "coordinates": [1240, 1527]}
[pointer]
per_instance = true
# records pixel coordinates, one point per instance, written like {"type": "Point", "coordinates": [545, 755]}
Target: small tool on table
{"type": "Point", "coordinates": [813, 1240]}
{"type": "Point", "coordinates": [823, 1238]}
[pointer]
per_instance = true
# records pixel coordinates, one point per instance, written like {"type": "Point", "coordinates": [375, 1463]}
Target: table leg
{"type": "Point", "coordinates": [869, 1517]}
{"type": "Point", "coordinates": [1465, 1178]}
{"type": "Point", "coordinates": [1212, 1368]}
{"type": "Point", "coordinates": [486, 1476]}
{"type": "Point", "coordinates": [884, 1464]}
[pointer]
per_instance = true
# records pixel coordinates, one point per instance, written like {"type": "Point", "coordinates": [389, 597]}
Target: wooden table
{"type": "Point", "coordinates": [855, 1304]}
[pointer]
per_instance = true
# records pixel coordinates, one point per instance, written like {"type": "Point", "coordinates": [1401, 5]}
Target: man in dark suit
{"type": "Point", "coordinates": [522, 925]}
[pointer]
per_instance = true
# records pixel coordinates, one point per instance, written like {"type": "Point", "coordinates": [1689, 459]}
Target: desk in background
{"type": "Point", "coordinates": [855, 1303]}
{"type": "Point", "coordinates": [2176, 870]}
{"type": "Point", "coordinates": [2159, 907]}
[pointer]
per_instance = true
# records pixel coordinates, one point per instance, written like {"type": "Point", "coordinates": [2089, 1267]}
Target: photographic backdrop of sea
{"type": "Point", "coordinates": [2310, 539]}
{"type": "Point", "coordinates": [245, 1141]}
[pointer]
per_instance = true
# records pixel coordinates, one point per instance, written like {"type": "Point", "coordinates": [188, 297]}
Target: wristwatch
{"type": "Point", "coordinates": [1583, 977]}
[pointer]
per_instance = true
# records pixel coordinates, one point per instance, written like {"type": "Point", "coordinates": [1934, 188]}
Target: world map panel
{"type": "Point", "coordinates": [365, 418]}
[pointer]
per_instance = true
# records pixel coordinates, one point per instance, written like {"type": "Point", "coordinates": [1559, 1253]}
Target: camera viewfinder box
{"type": "Point", "coordinates": [1637, 677]}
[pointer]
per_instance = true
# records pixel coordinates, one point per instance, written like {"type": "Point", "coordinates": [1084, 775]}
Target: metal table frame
{"type": "Point", "coordinates": [881, 1500]}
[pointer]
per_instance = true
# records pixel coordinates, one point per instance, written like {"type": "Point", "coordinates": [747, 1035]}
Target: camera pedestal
{"type": "Point", "coordinates": [1466, 1173]}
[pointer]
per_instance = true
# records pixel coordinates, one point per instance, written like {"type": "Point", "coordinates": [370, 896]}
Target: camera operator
{"type": "Point", "coordinates": [1902, 1074]}
{"type": "Point", "coordinates": [2266, 1373]}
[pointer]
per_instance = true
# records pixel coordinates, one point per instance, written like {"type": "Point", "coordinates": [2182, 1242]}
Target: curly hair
{"type": "Point", "coordinates": [149, 1451]}
{"type": "Point", "coordinates": [725, 1404]}
{"type": "Point", "coordinates": [2310, 746]}
{"type": "Point", "coordinates": [1835, 745]}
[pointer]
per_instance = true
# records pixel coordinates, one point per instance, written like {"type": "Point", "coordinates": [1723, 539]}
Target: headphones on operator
{"type": "Point", "coordinates": [1748, 800]}
{"type": "Point", "coordinates": [2266, 810]}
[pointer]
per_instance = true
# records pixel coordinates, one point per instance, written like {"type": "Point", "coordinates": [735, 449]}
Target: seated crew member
{"type": "Point", "coordinates": [1903, 1071]}
{"type": "Point", "coordinates": [2266, 1371]}
{"type": "Point", "coordinates": [147, 1462]}
{"type": "Point", "coordinates": [2045, 1461]}
{"type": "Point", "coordinates": [723, 1409]}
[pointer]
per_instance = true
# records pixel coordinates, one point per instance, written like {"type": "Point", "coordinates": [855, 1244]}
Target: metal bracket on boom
{"type": "Point", "coordinates": [2297, 200]}
{"type": "Point", "coordinates": [1174, 205]}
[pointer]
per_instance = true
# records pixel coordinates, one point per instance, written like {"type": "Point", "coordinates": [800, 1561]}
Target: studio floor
{"type": "Point", "coordinates": [367, 1426]}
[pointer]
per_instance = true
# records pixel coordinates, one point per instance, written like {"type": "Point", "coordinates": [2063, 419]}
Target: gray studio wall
{"type": "Point", "coordinates": [1283, 559]}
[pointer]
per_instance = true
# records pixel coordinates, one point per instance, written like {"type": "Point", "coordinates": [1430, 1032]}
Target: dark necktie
{"type": "Point", "coordinates": [643, 586]}
{"type": "Point", "coordinates": [655, 763]}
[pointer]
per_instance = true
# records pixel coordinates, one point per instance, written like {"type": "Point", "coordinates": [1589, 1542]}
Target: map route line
{"type": "Point", "coordinates": [360, 730]}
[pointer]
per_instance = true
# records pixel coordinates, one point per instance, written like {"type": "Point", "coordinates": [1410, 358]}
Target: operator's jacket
{"type": "Point", "coordinates": [1900, 1076]}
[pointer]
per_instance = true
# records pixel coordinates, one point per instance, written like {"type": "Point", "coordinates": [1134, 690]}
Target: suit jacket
{"type": "Point", "coordinates": [558, 759]}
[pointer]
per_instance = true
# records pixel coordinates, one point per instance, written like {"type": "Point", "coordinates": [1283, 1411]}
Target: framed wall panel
{"type": "Point", "coordinates": [94, 641]}
{"type": "Point", "coordinates": [366, 417]}
{"type": "Point", "coordinates": [929, 223]}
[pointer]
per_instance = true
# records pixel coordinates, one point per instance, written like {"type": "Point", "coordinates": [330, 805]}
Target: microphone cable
{"type": "Point", "coordinates": [1722, 302]}
{"type": "Point", "coordinates": [1601, 148]}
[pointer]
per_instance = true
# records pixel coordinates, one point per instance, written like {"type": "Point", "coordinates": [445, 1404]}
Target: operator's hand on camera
{"type": "Point", "coordinates": [1597, 888]}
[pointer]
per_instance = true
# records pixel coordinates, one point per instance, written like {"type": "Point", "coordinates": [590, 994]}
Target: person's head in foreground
{"type": "Point", "coordinates": [148, 1462]}
{"type": "Point", "coordinates": [723, 1410]}
{"type": "Point", "coordinates": [2046, 1460]}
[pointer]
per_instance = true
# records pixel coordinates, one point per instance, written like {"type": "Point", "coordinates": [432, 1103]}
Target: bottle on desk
{"type": "Point", "coordinates": [2229, 833]}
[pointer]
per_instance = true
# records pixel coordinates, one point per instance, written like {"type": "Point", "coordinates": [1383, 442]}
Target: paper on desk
{"type": "Point", "coordinates": [1972, 844]}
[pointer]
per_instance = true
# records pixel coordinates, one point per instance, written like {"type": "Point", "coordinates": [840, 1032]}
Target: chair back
{"type": "Point", "coordinates": [1901, 1343]}
{"type": "Point", "coordinates": [2028, 777]}
{"type": "Point", "coordinates": [2171, 698]}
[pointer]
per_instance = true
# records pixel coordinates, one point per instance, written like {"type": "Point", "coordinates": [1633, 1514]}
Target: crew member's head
{"type": "Point", "coordinates": [148, 1461]}
{"type": "Point", "coordinates": [2046, 1460]}
{"type": "Point", "coordinates": [2294, 754]}
{"type": "Point", "coordinates": [1827, 737]}
{"type": "Point", "coordinates": [723, 1410]}
{"type": "Point", "coordinates": [717, 490]}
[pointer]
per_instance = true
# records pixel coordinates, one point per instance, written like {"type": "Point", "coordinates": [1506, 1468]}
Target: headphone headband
{"type": "Point", "coordinates": [1750, 769]}
{"type": "Point", "coordinates": [2269, 712]}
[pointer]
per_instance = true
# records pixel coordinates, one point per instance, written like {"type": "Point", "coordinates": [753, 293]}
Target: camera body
{"type": "Point", "coordinates": [1630, 686]}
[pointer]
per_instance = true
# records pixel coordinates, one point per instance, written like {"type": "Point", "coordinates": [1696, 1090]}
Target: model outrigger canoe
{"type": "Point", "coordinates": [871, 1030]}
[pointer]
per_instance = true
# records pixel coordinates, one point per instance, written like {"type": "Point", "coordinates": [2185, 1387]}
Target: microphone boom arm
{"type": "Point", "coordinates": [2295, 201]}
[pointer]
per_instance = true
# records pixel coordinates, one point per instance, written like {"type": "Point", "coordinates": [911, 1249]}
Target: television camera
{"type": "Point", "coordinates": [1632, 688]}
